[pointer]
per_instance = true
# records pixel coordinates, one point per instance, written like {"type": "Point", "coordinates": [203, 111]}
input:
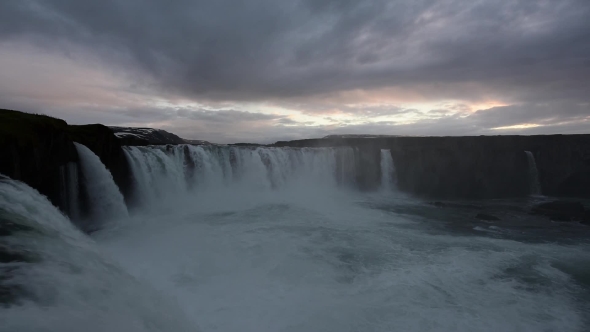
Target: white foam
{"type": "Point", "coordinates": [106, 201]}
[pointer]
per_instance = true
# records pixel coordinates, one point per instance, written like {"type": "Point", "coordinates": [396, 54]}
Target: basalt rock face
{"type": "Point", "coordinates": [101, 140]}
{"type": "Point", "coordinates": [37, 149]}
{"type": "Point", "coordinates": [564, 164]}
{"type": "Point", "coordinates": [563, 211]}
{"type": "Point", "coordinates": [474, 167]}
{"type": "Point", "coordinates": [367, 156]}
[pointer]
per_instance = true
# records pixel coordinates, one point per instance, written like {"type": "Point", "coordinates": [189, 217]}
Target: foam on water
{"type": "Point", "coordinates": [267, 239]}
{"type": "Point", "coordinates": [323, 263]}
{"type": "Point", "coordinates": [62, 282]}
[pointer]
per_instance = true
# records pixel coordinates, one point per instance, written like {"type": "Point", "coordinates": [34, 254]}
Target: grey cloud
{"type": "Point", "coordinates": [576, 121]}
{"type": "Point", "coordinates": [542, 113]}
{"type": "Point", "coordinates": [526, 50]}
{"type": "Point", "coordinates": [226, 116]}
{"type": "Point", "coordinates": [226, 126]}
{"type": "Point", "coordinates": [148, 114]}
{"type": "Point", "coordinates": [377, 111]}
{"type": "Point", "coordinates": [287, 121]}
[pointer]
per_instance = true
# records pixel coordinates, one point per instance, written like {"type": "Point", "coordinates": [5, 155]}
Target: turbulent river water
{"type": "Point", "coordinates": [280, 240]}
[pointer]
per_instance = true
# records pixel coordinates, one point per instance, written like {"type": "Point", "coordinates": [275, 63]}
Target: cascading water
{"type": "Point", "coordinates": [158, 175]}
{"type": "Point", "coordinates": [165, 173]}
{"type": "Point", "coordinates": [69, 190]}
{"type": "Point", "coordinates": [106, 201]}
{"type": "Point", "coordinates": [534, 183]}
{"type": "Point", "coordinates": [273, 239]}
{"type": "Point", "coordinates": [54, 278]}
{"type": "Point", "coordinates": [388, 176]}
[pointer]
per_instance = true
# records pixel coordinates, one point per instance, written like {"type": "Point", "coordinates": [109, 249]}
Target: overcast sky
{"type": "Point", "coordinates": [267, 70]}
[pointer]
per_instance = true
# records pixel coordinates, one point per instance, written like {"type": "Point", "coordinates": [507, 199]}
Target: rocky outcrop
{"type": "Point", "coordinates": [107, 147]}
{"type": "Point", "coordinates": [563, 211]}
{"type": "Point", "coordinates": [474, 167]}
{"type": "Point", "coordinates": [145, 136]}
{"type": "Point", "coordinates": [36, 149]}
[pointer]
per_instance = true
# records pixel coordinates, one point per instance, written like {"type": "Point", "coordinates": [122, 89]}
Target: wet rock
{"type": "Point", "coordinates": [477, 167]}
{"type": "Point", "coordinates": [563, 211]}
{"type": "Point", "coordinates": [456, 205]}
{"type": "Point", "coordinates": [486, 217]}
{"type": "Point", "coordinates": [35, 149]}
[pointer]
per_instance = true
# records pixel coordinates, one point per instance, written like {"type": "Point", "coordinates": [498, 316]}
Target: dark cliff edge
{"type": "Point", "coordinates": [473, 167]}
{"type": "Point", "coordinates": [101, 140]}
{"type": "Point", "coordinates": [38, 150]}
{"type": "Point", "coordinates": [35, 149]}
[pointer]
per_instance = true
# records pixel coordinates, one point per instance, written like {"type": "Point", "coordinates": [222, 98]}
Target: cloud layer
{"type": "Point", "coordinates": [350, 64]}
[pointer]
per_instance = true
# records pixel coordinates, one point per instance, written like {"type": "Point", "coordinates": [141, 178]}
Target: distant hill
{"type": "Point", "coordinates": [197, 142]}
{"type": "Point", "coordinates": [358, 136]}
{"type": "Point", "coordinates": [145, 136]}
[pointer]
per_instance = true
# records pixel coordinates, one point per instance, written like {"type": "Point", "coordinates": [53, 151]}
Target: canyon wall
{"type": "Point", "coordinates": [37, 149]}
{"type": "Point", "coordinates": [474, 167]}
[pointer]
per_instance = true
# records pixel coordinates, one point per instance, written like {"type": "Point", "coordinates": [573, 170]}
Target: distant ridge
{"type": "Point", "coordinates": [358, 136]}
{"type": "Point", "coordinates": [145, 136]}
{"type": "Point", "coordinates": [198, 142]}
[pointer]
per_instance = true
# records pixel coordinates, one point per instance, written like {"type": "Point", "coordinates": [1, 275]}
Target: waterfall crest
{"type": "Point", "coordinates": [388, 175]}
{"type": "Point", "coordinates": [106, 201]}
{"type": "Point", "coordinates": [165, 172]}
{"type": "Point", "coordinates": [534, 183]}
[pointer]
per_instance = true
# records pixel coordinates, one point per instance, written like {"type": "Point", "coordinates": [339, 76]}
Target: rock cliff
{"type": "Point", "coordinates": [473, 167]}
{"type": "Point", "coordinates": [37, 150]}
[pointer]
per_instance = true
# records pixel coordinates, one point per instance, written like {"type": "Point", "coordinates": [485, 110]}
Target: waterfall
{"type": "Point", "coordinates": [70, 196]}
{"type": "Point", "coordinates": [158, 175]}
{"type": "Point", "coordinates": [164, 173]}
{"type": "Point", "coordinates": [106, 201]}
{"type": "Point", "coordinates": [54, 278]}
{"type": "Point", "coordinates": [346, 164]}
{"type": "Point", "coordinates": [534, 183]}
{"type": "Point", "coordinates": [388, 175]}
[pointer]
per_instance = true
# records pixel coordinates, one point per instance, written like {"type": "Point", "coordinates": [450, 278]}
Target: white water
{"type": "Point", "coordinates": [534, 183]}
{"type": "Point", "coordinates": [69, 285]}
{"type": "Point", "coordinates": [107, 202]}
{"type": "Point", "coordinates": [165, 175]}
{"type": "Point", "coordinates": [388, 175]}
{"type": "Point", "coordinates": [273, 240]}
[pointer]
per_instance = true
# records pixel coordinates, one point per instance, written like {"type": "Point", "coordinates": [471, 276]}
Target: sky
{"type": "Point", "coordinates": [266, 70]}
